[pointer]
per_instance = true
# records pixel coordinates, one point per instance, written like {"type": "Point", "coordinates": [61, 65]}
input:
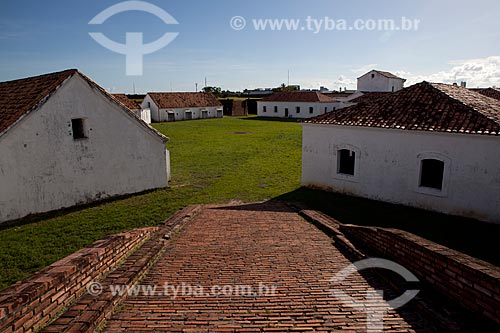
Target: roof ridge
{"type": "Point", "coordinates": [151, 129]}
{"type": "Point", "coordinates": [71, 70]}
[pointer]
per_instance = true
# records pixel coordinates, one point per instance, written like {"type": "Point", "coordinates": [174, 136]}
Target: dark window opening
{"type": "Point", "coordinates": [326, 109]}
{"type": "Point", "coordinates": [392, 88]}
{"type": "Point", "coordinates": [78, 128]}
{"type": "Point", "coordinates": [346, 161]}
{"type": "Point", "coordinates": [275, 109]}
{"type": "Point", "coordinates": [373, 76]}
{"type": "Point", "coordinates": [297, 109]}
{"type": "Point", "coordinates": [431, 174]}
{"type": "Point", "coordinates": [311, 110]}
{"type": "Point", "coordinates": [264, 109]}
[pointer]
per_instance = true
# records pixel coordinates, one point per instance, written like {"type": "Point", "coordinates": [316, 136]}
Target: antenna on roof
{"type": "Point", "coordinates": [196, 84]}
{"type": "Point", "coordinates": [205, 81]}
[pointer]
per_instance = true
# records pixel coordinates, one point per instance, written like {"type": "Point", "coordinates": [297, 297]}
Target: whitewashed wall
{"type": "Point", "coordinates": [42, 168]}
{"type": "Point", "coordinates": [379, 83]}
{"type": "Point", "coordinates": [318, 109]}
{"type": "Point", "coordinates": [161, 115]}
{"type": "Point", "coordinates": [388, 167]}
{"type": "Point", "coordinates": [144, 114]}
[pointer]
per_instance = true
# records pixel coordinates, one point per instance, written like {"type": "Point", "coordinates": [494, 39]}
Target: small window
{"type": "Point", "coordinates": [431, 173]}
{"type": "Point", "coordinates": [264, 109]}
{"type": "Point", "coordinates": [326, 109]}
{"type": "Point", "coordinates": [297, 109]}
{"type": "Point", "coordinates": [149, 105]}
{"type": "Point", "coordinates": [346, 161]}
{"type": "Point", "coordinates": [78, 127]}
{"type": "Point", "coordinates": [392, 88]}
{"type": "Point", "coordinates": [373, 76]}
{"type": "Point", "coordinates": [275, 109]}
{"type": "Point", "coordinates": [311, 110]}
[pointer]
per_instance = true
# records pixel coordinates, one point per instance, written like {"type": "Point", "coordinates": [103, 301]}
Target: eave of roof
{"type": "Point", "coordinates": [175, 100]}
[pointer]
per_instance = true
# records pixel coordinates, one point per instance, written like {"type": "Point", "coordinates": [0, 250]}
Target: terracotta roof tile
{"type": "Point", "coordinates": [384, 73]}
{"type": "Point", "coordinates": [20, 96]}
{"type": "Point", "coordinates": [426, 107]}
{"type": "Point", "coordinates": [491, 92]}
{"type": "Point", "coordinates": [127, 102]}
{"type": "Point", "coordinates": [298, 96]}
{"type": "Point", "coordinates": [389, 75]}
{"type": "Point", "coordinates": [184, 100]}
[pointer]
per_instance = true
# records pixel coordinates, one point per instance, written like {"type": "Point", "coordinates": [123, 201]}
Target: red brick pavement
{"type": "Point", "coordinates": [247, 245]}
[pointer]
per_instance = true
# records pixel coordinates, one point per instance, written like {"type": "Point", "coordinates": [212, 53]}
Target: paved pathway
{"type": "Point", "coordinates": [265, 244]}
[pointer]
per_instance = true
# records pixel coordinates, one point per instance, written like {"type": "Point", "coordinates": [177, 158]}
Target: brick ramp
{"type": "Point", "coordinates": [254, 244]}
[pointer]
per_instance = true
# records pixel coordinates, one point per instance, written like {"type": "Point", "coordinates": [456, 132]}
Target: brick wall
{"type": "Point", "coordinates": [234, 107]}
{"type": "Point", "coordinates": [473, 283]}
{"type": "Point", "coordinates": [32, 303]}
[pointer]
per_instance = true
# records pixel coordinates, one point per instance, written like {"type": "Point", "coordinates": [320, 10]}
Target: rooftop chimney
{"type": "Point", "coordinates": [463, 84]}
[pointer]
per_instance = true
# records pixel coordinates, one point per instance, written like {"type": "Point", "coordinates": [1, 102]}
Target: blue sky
{"type": "Point", "coordinates": [456, 40]}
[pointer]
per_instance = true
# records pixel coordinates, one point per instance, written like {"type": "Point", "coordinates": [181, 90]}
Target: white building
{"type": "Point", "coordinates": [380, 81]}
{"type": "Point", "coordinates": [296, 104]}
{"type": "Point", "coordinates": [65, 141]}
{"type": "Point", "coordinates": [182, 106]}
{"type": "Point", "coordinates": [432, 146]}
{"type": "Point", "coordinates": [144, 114]}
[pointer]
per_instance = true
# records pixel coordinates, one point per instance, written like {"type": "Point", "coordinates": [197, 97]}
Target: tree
{"type": "Point", "coordinates": [214, 90]}
{"type": "Point", "coordinates": [284, 87]}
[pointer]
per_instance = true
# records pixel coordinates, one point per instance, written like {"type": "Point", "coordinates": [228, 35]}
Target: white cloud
{"type": "Point", "coordinates": [364, 69]}
{"type": "Point", "coordinates": [481, 72]}
{"type": "Point", "coordinates": [344, 82]}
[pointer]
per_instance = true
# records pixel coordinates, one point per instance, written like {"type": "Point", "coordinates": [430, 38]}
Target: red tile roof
{"type": "Point", "coordinates": [383, 73]}
{"type": "Point", "coordinates": [491, 92]}
{"type": "Point", "coordinates": [426, 107]}
{"type": "Point", "coordinates": [127, 102]}
{"type": "Point", "coordinates": [184, 100]}
{"type": "Point", "coordinates": [389, 75]}
{"type": "Point", "coordinates": [298, 96]}
{"type": "Point", "coordinates": [20, 97]}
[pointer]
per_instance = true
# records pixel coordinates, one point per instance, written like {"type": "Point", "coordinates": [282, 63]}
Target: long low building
{"type": "Point", "coordinates": [297, 104]}
{"type": "Point", "coordinates": [432, 146]}
{"type": "Point", "coordinates": [177, 106]}
{"type": "Point", "coordinates": [65, 141]}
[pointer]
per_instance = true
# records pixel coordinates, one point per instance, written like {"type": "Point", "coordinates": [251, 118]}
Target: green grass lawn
{"type": "Point", "coordinates": [210, 164]}
{"type": "Point", "coordinates": [218, 161]}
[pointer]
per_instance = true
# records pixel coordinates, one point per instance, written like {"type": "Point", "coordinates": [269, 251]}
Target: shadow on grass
{"type": "Point", "coordinates": [473, 237]}
{"type": "Point", "coordinates": [34, 218]}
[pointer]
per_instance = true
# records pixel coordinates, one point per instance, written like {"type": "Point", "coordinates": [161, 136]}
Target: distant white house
{"type": "Point", "coordinates": [432, 146]}
{"type": "Point", "coordinates": [380, 81]}
{"type": "Point", "coordinates": [144, 114]}
{"type": "Point", "coordinates": [166, 106]}
{"type": "Point", "coordinates": [296, 104]}
{"type": "Point", "coordinates": [65, 141]}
